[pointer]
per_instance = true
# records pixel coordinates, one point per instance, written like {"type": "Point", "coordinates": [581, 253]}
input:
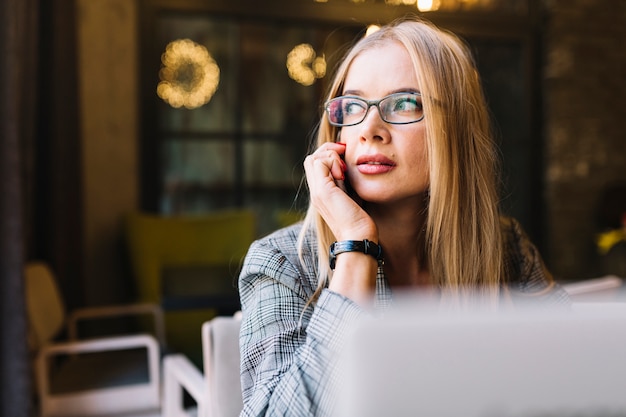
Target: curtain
{"type": "Point", "coordinates": [18, 30]}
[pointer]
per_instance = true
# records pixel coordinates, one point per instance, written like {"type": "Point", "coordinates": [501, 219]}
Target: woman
{"type": "Point", "coordinates": [402, 195]}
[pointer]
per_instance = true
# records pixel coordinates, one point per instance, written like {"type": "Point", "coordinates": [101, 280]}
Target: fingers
{"type": "Point", "coordinates": [325, 174]}
{"type": "Point", "coordinates": [326, 161]}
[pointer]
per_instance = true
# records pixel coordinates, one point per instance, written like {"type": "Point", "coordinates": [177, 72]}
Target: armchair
{"type": "Point", "coordinates": [217, 392]}
{"type": "Point", "coordinates": [188, 265]}
{"type": "Point", "coordinates": [103, 375]}
{"type": "Point", "coordinates": [606, 288]}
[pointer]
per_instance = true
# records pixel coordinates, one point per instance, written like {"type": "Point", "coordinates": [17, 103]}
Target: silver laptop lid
{"type": "Point", "coordinates": [524, 363]}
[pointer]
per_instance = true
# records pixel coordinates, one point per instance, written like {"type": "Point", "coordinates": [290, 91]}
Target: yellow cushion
{"type": "Point", "coordinates": [162, 247]}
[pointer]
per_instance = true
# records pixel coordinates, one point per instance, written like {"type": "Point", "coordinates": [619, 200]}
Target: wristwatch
{"type": "Point", "coordinates": [365, 246]}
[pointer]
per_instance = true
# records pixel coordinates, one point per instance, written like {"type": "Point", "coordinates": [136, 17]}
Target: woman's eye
{"type": "Point", "coordinates": [407, 104]}
{"type": "Point", "coordinates": [353, 107]}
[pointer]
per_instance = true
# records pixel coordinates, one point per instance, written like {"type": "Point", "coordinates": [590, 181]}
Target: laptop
{"type": "Point", "coordinates": [526, 363]}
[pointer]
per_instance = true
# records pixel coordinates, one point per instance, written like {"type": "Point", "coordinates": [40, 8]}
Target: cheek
{"type": "Point", "coordinates": [419, 158]}
{"type": "Point", "coordinates": [345, 135]}
{"type": "Point", "coordinates": [416, 148]}
{"type": "Point", "coordinates": [347, 139]}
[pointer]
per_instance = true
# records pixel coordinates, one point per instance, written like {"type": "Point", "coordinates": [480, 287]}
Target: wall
{"type": "Point", "coordinates": [108, 55]}
{"type": "Point", "coordinates": [585, 110]}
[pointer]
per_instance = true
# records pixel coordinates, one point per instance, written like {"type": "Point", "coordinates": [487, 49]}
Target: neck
{"type": "Point", "coordinates": [401, 229]}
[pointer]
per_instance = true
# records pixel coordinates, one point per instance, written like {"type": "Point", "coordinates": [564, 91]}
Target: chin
{"type": "Point", "coordinates": [376, 197]}
{"type": "Point", "coordinates": [384, 196]}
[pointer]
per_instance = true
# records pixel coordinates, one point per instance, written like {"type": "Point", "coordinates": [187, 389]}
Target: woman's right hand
{"type": "Point", "coordinates": [355, 273]}
{"type": "Point", "coordinates": [325, 173]}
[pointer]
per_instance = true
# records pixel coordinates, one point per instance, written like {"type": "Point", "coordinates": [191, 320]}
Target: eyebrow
{"type": "Point", "coordinates": [399, 90]}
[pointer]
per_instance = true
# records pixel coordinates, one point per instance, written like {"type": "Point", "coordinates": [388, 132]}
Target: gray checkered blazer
{"type": "Point", "coordinates": [288, 352]}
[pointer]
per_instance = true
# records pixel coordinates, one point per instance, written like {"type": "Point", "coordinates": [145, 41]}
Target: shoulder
{"type": "Point", "coordinates": [525, 270]}
{"type": "Point", "coordinates": [516, 243]}
{"type": "Point", "coordinates": [277, 256]}
{"type": "Point", "coordinates": [511, 228]}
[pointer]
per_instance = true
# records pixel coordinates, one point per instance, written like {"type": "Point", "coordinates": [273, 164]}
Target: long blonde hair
{"type": "Point", "coordinates": [463, 239]}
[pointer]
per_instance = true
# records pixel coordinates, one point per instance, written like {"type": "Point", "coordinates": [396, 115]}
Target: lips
{"type": "Point", "coordinates": [374, 164]}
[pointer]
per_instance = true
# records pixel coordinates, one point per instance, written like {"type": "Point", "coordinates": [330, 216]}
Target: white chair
{"type": "Point", "coordinates": [104, 375]}
{"type": "Point", "coordinates": [217, 392]}
{"type": "Point", "coordinates": [607, 288]}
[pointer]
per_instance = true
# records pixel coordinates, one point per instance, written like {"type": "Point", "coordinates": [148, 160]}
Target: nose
{"type": "Point", "coordinates": [373, 127]}
{"type": "Point", "coordinates": [376, 110]}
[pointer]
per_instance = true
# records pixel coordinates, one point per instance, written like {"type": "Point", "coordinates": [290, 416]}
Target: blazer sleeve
{"type": "Point", "coordinates": [288, 350]}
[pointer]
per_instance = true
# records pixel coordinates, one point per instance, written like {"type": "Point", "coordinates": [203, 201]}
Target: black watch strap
{"type": "Point", "coordinates": [365, 246]}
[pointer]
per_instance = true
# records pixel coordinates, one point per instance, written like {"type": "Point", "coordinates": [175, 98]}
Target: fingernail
{"type": "Point", "coordinates": [343, 165]}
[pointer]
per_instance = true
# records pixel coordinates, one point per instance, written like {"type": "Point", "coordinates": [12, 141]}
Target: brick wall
{"type": "Point", "coordinates": [585, 125]}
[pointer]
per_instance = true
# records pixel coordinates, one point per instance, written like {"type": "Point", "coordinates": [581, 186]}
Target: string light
{"type": "Point", "coordinates": [428, 5]}
{"type": "Point", "coordinates": [371, 29]}
{"type": "Point", "coordinates": [304, 66]}
{"type": "Point", "coordinates": [189, 75]}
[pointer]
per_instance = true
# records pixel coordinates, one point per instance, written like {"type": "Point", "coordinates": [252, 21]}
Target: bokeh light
{"type": "Point", "coordinates": [189, 75]}
{"type": "Point", "coordinates": [304, 66]}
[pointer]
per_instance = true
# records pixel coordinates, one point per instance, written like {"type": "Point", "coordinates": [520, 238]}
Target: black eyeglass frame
{"type": "Point", "coordinates": [370, 103]}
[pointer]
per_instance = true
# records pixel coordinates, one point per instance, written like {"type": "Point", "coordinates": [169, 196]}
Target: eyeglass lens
{"type": "Point", "coordinates": [398, 108]}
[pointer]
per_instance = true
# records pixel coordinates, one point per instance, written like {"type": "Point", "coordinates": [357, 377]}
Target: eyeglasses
{"type": "Point", "coordinates": [397, 109]}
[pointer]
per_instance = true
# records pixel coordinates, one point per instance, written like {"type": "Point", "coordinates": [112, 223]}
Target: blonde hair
{"type": "Point", "coordinates": [463, 239]}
